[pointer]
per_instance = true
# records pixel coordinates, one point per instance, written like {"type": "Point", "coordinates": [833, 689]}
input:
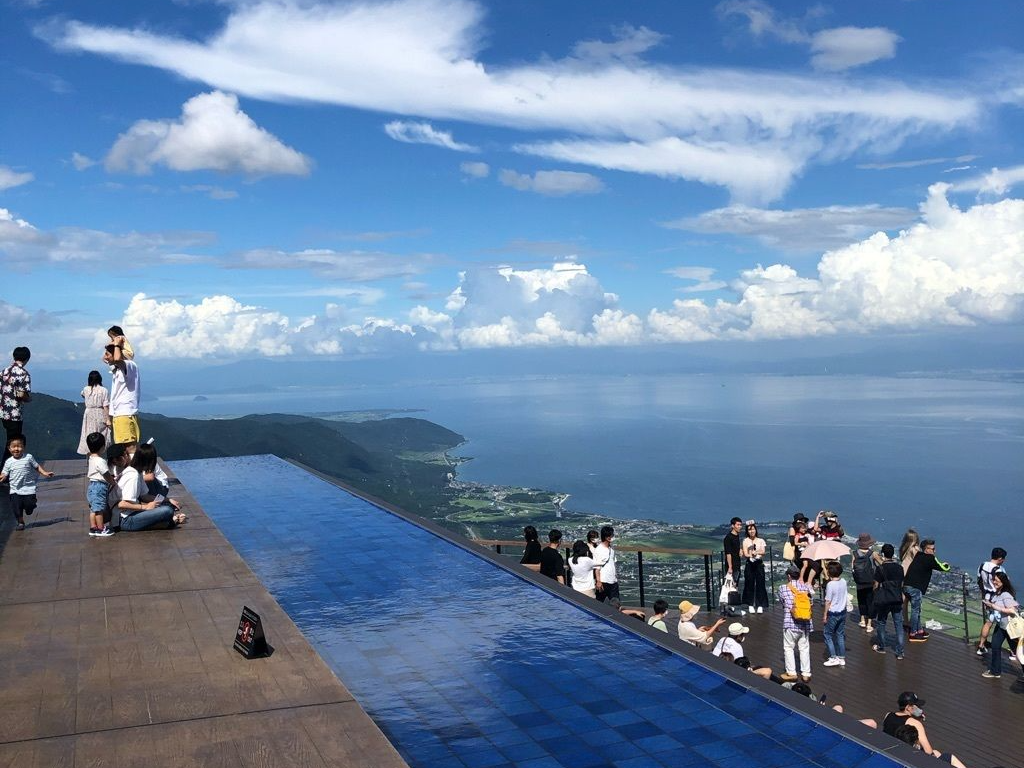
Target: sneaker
{"type": "Point", "coordinates": [94, 531]}
{"type": "Point", "coordinates": [869, 629]}
{"type": "Point", "coordinates": [806, 678]}
{"type": "Point", "coordinates": [104, 532]}
{"type": "Point", "coordinates": [789, 677]}
{"type": "Point", "coordinates": [20, 527]}
{"type": "Point", "coordinates": [918, 637]}
{"type": "Point", "coordinates": [899, 657]}
{"type": "Point", "coordinates": [877, 648]}
{"type": "Point", "coordinates": [989, 675]}
{"type": "Point", "coordinates": [832, 662]}
{"type": "Point", "coordinates": [980, 652]}
{"type": "Point", "coordinates": [842, 662]}
{"type": "Point", "coordinates": [760, 609]}
{"type": "Point", "coordinates": [862, 622]}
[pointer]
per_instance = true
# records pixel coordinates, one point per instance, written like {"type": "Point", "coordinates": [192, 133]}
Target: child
{"type": "Point", "coordinates": [21, 470]}
{"type": "Point", "coordinates": [100, 480]}
{"type": "Point", "coordinates": [117, 338]}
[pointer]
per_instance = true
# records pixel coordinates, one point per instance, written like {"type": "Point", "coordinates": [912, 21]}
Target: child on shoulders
{"type": "Point", "coordinates": [21, 470]}
{"type": "Point", "coordinates": [117, 338]}
{"type": "Point", "coordinates": [100, 480]}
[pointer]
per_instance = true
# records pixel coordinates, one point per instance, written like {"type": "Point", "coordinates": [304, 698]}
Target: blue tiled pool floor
{"type": "Point", "coordinates": [464, 665]}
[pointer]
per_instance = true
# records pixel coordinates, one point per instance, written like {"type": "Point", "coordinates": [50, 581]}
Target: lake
{"type": "Point", "coordinates": [942, 455]}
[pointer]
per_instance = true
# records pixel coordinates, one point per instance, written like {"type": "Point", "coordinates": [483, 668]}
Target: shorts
{"type": "Point", "coordinates": [126, 429]}
{"type": "Point", "coordinates": [23, 504]}
{"type": "Point", "coordinates": [96, 495]}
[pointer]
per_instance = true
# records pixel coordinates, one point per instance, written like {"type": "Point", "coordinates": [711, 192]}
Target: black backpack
{"type": "Point", "coordinates": [863, 569]}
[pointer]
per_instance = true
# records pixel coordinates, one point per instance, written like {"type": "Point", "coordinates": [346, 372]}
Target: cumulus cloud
{"type": "Point", "coordinates": [425, 133]}
{"type": "Point", "coordinates": [355, 266]}
{"type": "Point", "coordinates": [552, 183]}
{"type": "Point", "coordinates": [15, 319]}
{"type": "Point", "coordinates": [602, 103]}
{"type": "Point", "coordinates": [213, 133]}
{"type": "Point", "coordinates": [475, 170]}
{"type": "Point", "coordinates": [10, 178]}
{"type": "Point", "coordinates": [81, 162]}
{"type": "Point", "coordinates": [799, 229]}
{"type": "Point", "coordinates": [832, 50]}
{"type": "Point", "coordinates": [847, 47]}
{"type": "Point", "coordinates": [996, 182]}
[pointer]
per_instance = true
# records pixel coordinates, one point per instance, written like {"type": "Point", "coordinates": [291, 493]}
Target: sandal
{"type": "Point", "coordinates": [179, 518]}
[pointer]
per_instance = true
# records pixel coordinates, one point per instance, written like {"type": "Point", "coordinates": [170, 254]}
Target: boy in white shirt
{"type": "Point", "coordinates": [21, 470]}
{"type": "Point", "coordinates": [100, 479]}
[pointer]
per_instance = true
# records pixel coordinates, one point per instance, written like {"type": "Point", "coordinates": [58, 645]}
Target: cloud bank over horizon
{"type": "Point", "coordinates": [954, 268]}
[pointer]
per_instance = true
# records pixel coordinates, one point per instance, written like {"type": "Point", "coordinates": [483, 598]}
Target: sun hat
{"type": "Point", "coordinates": [865, 540]}
{"type": "Point", "coordinates": [736, 629]}
{"type": "Point", "coordinates": [688, 610]}
{"type": "Point", "coordinates": [800, 516]}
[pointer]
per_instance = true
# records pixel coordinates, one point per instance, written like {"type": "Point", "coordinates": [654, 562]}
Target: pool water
{"type": "Point", "coordinates": [463, 664]}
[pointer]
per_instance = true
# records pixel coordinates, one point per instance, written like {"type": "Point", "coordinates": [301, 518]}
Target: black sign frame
{"type": "Point", "coordinates": [250, 640]}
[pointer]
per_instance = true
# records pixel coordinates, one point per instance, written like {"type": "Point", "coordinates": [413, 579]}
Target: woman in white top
{"type": "Point", "coordinates": [97, 411]}
{"type": "Point", "coordinates": [1005, 605]}
{"type": "Point", "coordinates": [582, 566]}
{"type": "Point", "coordinates": [753, 547]}
{"type": "Point", "coordinates": [836, 600]}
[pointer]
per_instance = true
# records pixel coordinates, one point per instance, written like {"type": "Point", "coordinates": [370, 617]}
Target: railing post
{"type": "Point", "coordinates": [967, 628]}
{"type": "Point", "coordinates": [640, 574]}
{"type": "Point", "coordinates": [497, 548]}
{"type": "Point", "coordinates": [771, 568]}
{"type": "Point", "coordinates": [707, 580]}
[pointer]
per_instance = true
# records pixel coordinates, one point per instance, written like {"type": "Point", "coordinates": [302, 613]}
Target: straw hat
{"type": "Point", "coordinates": [865, 540]}
{"type": "Point", "coordinates": [688, 610]}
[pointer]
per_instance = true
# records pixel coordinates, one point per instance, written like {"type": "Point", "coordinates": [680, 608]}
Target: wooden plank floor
{"type": "Point", "coordinates": [117, 652]}
{"type": "Point", "coordinates": [979, 720]}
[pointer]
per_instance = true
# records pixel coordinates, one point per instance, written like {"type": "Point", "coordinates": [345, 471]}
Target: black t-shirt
{"type": "Point", "coordinates": [551, 563]}
{"type": "Point", "coordinates": [889, 576]}
{"type": "Point", "coordinates": [731, 542]}
{"type": "Point", "coordinates": [919, 573]}
{"type": "Point", "coordinates": [532, 554]}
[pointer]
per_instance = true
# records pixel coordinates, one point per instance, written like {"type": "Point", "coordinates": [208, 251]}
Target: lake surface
{"type": "Point", "coordinates": [945, 456]}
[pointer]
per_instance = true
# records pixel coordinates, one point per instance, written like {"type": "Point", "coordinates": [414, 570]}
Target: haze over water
{"type": "Point", "coordinates": [942, 455]}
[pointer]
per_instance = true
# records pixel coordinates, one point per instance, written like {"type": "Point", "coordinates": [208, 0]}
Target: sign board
{"type": "Point", "coordinates": [249, 638]}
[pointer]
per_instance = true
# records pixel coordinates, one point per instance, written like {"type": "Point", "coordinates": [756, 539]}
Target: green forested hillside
{"type": "Point", "coordinates": [400, 460]}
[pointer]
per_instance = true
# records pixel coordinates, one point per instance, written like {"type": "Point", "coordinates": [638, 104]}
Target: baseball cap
{"type": "Point", "coordinates": [909, 697]}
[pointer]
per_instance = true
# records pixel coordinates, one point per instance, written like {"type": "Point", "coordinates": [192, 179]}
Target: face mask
{"type": "Point", "coordinates": [917, 711]}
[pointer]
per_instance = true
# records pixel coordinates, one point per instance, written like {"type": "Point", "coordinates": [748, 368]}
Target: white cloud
{"type": "Point", "coordinates": [846, 47]}
{"type": "Point", "coordinates": [475, 170]}
{"type": "Point", "coordinates": [425, 133]}
{"type": "Point", "coordinates": [213, 133]}
{"type": "Point", "coordinates": [81, 162]}
{"type": "Point", "coordinates": [10, 178]}
{"type": "Point", "coordinates": [996, 182]}
{"type": "Point", "coordinates": [629, 43]}
{"type": "Point", "coordinates": [211, 191]}
{"type": "Point", "coordinates": [609, 107]}
{"type": "Point", "coordinates": [552, 183]}
{"type": "Point", "coordinates": [701, 277]}
{"type": "Point", "coordinates": [16, 233]}
{"type": "Point", "coordinates": [763, 21]}
{"type": "Point", "coordinates": [355, 266]}
{"type": "Point", "coordinates": [916, 163]}
{"type": "Point", "coordinates": [799, 229]}
{"type": "Point", "coordinates": [15, 319]}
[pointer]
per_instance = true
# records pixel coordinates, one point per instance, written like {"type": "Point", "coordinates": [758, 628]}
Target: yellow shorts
{"type": "Point", "coordinates": [126, 429]}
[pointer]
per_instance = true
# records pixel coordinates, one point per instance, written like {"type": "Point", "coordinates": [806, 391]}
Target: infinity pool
{"type": "Point", "coordinates": [464, 665]}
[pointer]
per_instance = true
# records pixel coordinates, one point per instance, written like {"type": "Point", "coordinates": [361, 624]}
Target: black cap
{"type": "Point", "coordinates": [799, 516]}
{"type": "Point", "coordinates": [909, 697]}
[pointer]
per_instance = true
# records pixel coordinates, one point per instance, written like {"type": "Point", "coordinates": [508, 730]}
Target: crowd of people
{"type": "Point", "coordinates": [888, 583]}
{"type": "Point", "coordinates": [127, 489]}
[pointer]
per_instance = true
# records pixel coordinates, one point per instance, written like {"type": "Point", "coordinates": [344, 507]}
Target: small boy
{"type": "Point", "coordinates": [21, 470]}
{"type": "Point", "coordinates": [100, 480]}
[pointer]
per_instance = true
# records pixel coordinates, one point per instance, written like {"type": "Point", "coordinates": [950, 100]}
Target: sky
{"type": "Point", "coordinates": [264, 179]}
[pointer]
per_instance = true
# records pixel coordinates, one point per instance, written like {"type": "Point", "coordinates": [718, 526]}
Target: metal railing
{"type": "Point", "coordinates": [661, 572]}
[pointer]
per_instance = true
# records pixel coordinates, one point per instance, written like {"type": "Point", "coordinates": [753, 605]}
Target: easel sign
{"type": "Point", "coordinates": [249, 638]}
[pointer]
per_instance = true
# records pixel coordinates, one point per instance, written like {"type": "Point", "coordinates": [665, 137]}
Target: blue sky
{"type": "Point", "coordinates": [253, 179]}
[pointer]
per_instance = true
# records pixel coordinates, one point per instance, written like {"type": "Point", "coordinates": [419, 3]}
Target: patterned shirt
{"type": "Point", "coordinates": [22, 474]}
{"type": "Point", "coordinates": [786, 596]}
{"type": "Point", "coordinates": [13, 380]}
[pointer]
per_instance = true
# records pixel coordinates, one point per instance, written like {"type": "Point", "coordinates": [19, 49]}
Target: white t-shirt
{"type": "Point", "coordinates": [835, 591]}
{"type": "Point", "coordinates": [729, 645]}
{"type": "Point", "coordinates": [985, 573]}
{"type": "Point", "coordinates": [582, 574]}
{"type": "Point", "coordinates": [125, 390]}
{"type": "Point", "coordinates": [131, 485]}
{"type": "Point", "coordinates": [604, 556]}
{"type": "Point", "coordinates": [98, 467]}
{"type": "Point", "coordinates": [759, 548]}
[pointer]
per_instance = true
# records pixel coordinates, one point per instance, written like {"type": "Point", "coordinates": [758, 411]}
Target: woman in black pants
{"type": "Point", "coordinates": [864, 563]}
{"type": "Point", "coordinates": [754, 592]}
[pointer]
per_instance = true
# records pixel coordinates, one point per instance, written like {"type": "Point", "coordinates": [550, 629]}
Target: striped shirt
{"type": "Point", "coordinates": [22, 474]}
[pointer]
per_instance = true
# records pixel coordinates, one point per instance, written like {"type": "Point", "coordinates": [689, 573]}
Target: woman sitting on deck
{"type": "Point", "coordinates": [140, 510]}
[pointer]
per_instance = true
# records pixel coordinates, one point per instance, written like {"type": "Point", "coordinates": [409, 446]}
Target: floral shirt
{"type": "Point", "coordinates": [13, 380]}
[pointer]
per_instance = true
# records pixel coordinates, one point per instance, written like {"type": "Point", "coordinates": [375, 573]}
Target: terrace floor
{"type": "Point", "coordinates": [118, 652]}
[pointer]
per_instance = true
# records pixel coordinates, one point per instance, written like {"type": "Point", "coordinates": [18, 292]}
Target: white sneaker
{"type": "Point", "coordinates": [832, 662]}
{"type": "Point", "coordinates": [842, 662]}
{"type": "Point", "coordinates": [760, 609]}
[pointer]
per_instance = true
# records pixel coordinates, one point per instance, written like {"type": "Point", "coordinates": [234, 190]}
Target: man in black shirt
{"type": "Point", "coordinates": [915, 584]}
{"type": "Point", "coordinates": [731, 544]}
{"type": "Point", "coordinates": [551, 563]}
{"type": "Point", "coordinates": [888, 601]}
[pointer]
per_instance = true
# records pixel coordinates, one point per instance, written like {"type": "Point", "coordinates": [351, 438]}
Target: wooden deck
{"type": "Point", "coordinates": [117, 652]}
{"type": "Point", "coordinates": [976, 719]}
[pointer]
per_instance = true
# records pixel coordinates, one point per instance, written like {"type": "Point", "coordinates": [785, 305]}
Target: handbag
{"type": "Point", "coordinates": [788, 551]}
{"type": "Point", "coordinates": [728, 589]}
{"type": "Point", "coordinates": [1015, 627]}
{"type": "Point", "coordinates": [889, 593]}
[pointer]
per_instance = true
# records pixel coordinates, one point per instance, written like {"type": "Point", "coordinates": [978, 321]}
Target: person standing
{"type": "Point", "coordinates": [731, 546]}
{"type": "Point", "coordinates": [985, 573]}
{"type": "Point", "coordinates": [531, 556]}
{"type": "Point", "coordinates": [755, 593]}
{"type": "Point", "coordinates": [1003, 605]}
{"type": "Point", "coordinates": [796, 597]}
{"type": "Point", "coordinates": [864, 563]}
{"type": "Point", "coordinates": [551, 563]}
{"type": "Point", "coordinates": [15, 391]}
{"type": "Point", "coordinates": [888, 601]}
{"type": "Point", "coordinates": [915, 585]}
{"type": "Point", "coordinates": [834, 616]}
{"type": "Point", "coordinates": [96, 417]}
{"type": "Point", "coordinates": [583, 568]}
{"type": "Point", "coordinates": [125, 393]}
{"type": "Point", "coordinates": [604, 557]}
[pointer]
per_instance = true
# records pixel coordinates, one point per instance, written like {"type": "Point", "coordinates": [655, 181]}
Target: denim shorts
{"type": "Point", "coordinates": [96, 495]}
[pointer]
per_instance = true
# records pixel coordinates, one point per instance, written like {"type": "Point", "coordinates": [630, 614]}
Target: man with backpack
{"type": "Point", "coordinates": [864, 562]}
{"type": "Point", "coordinates": [796, 598]}
{"type": "Point", "coordinates": [888, 601]}
{"type": "Point", "coordinates": [988, 591]}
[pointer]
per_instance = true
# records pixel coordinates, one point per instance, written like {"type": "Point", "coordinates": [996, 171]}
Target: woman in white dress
{"type": "Point", "coordinates": [97, 411]}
